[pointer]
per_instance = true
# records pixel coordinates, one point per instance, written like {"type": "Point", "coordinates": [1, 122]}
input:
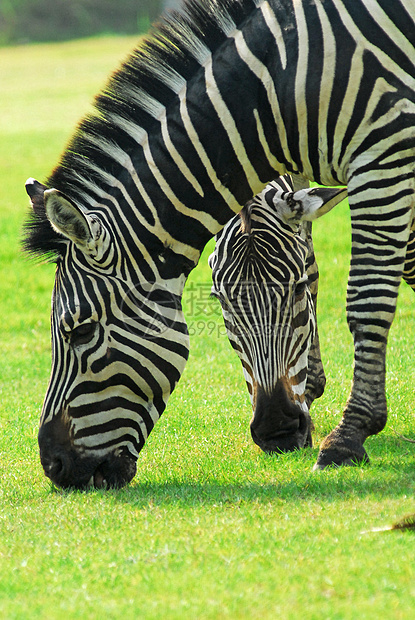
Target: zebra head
{"type": "Point", "coordinates": [119, 345]}
{"type": "Point", "coordinates": [260, 278]}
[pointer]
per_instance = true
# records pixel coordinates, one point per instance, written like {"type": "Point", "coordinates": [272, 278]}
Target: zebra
{"type": "Point", "coordinates": [265, 277]}
{"type": "Point", "coordinates": [220, 99]}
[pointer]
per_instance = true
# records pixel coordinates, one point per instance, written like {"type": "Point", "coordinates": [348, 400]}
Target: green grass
{"type": "Point", "coordinates": [210, 528]}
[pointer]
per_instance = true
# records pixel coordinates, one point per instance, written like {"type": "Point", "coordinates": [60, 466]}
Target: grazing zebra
{"type": "Point", "coordinates": [219, 100]}
{"type": "Point", "coordinates": [260, 272]}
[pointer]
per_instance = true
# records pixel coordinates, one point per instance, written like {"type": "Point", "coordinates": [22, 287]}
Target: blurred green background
{"type": "Point", "coordinates": [25, 21]}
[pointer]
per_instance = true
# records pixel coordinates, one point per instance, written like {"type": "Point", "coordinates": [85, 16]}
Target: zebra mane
{"type": "Point", "coordinates": [145, 84]}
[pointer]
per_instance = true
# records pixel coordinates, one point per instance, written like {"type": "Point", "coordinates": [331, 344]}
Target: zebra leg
{"type": "Point", "coordinates": [316, 378]}
{"type": "Point", "coordinates": [379, 240]}
{"type": "Point", "coordinates": [409, 269]}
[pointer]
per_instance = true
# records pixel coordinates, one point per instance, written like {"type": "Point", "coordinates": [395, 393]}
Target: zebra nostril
{"type": "Point", "coordinates": [53, 467]}
{"type": "Point", "coordinates": [57, 466]}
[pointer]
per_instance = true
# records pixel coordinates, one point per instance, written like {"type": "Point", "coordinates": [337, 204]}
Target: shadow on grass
{"type": "Point", "coordinates": [379, 482]}
{"type": "Point", "coordinates": [326, 486]}
{"type": "Point", "coordinates": [287, 477]}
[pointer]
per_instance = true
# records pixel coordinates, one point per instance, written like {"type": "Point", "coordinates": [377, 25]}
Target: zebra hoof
{"type": "Point", "coordinates": [349, 454]}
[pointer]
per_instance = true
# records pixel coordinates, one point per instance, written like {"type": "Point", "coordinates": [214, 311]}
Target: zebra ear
{"type": "Point", "coordinates": [310, 204]}
{"type": "Point", "coordinates": [69, 220]}
{"type": "Point", "coordinates": [35, 191]}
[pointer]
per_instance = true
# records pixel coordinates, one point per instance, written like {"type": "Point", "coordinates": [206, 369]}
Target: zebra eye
{"type": "Point", "coordinates": [82, 334]}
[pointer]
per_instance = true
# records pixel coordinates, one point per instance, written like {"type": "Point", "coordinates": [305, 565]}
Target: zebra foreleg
{"type": "Point", "coordinates": [379, 241]}
{"type": "Point", "coordinates": [316, 378]}
{"type": "Point", "coordinates": [409, 269]}
{"type": "Point", "coordinates": [365, 413]}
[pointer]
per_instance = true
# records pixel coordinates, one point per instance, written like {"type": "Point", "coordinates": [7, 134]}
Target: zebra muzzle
{"type": "Point", "coordinates": [279, 424]}
{"type": "Point", "coordinates": [69, 467]}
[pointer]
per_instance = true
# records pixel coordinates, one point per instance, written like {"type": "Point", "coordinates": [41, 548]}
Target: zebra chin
{"type": "Point", "coordinates": [69, 468]}
{"type": "Point", "coordinates": [279, 424]}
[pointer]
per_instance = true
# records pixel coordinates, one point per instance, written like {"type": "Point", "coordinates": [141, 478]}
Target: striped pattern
{"type": "Point", "coordinates": [409, 269]}
{"type": "Point", "coordinates": [216, 103]}
{"type": "Point", "coordinates": [265, 276]}
{"type": "Point", "coordinates": [259, 276]}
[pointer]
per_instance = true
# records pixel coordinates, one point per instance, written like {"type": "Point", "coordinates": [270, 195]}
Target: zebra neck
{"type": "Point", "coordinates": [181, 136]}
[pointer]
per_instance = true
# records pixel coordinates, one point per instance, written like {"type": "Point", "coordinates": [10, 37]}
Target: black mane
{"type": "Point", "coordinates": [173, 51]}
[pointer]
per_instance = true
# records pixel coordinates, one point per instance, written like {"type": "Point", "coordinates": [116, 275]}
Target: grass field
{"type": "Point", "coordinates": [210, 528]}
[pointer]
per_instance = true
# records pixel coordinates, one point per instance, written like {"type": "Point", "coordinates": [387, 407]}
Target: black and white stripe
{"type": "Point", "coordinates": [259, 276]}
{"type": "Point", "coordinates": [218, 101]}
{"type": "Point", "coordinates": [265, 276]}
